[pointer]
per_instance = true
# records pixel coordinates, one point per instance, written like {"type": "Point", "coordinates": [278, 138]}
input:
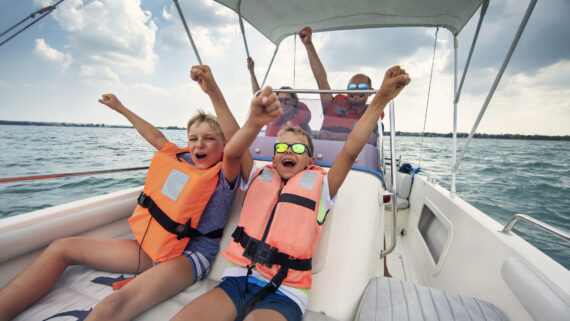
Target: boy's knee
{"type": "Point", "coordinates": [60, 248]}
{"type": "Point", "coordinates": [110, 307]}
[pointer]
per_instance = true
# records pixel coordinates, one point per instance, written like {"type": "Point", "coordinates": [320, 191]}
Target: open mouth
{"type": "Point", "coordinates": [289, 163]}
{"type": "Point", "coordinates": [201, 156]}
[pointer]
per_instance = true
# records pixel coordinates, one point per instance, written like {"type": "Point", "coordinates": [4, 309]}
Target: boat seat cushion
{"type": "Point", "coordinates": [80, 288]}
{"type": "Point", "coordinates": [388, 299]}
{"type": "Point", "coordinates": [404, 186]}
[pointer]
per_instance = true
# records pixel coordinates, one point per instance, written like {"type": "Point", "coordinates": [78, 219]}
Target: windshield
{"type": "Point", "coordinates": [329, 123]}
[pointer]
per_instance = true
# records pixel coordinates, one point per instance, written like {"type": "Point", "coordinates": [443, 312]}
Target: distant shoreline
{"type": "Point", "coordinates": [398, 133]}
{"type": "Point", "coordinates": [55, 124]}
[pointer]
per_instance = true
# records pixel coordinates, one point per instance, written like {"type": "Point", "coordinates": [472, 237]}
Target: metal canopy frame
{"type": "Point", "coordinates": [457, 91]}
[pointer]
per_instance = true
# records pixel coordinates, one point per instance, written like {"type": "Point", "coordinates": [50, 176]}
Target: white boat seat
{"type": "Point", "coordinates": [80, 288]}
{"type": "Point", "coordinates": [389, 299]}
{"type": "Point", "coordinates": [404, 186]}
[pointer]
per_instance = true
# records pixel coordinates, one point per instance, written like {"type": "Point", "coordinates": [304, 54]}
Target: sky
{"type": "Point", "coordinates": [57, 69]}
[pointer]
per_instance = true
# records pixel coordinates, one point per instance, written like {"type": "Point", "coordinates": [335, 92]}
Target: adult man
{"type": "Point", "coordinates": [340, 112]}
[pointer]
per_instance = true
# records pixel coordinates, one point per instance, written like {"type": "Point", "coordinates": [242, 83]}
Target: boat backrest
{"type": "Point", "coordinates": [404, 187]}
{"type": "Point", "coordinates": [325, 153]}
{"type": "Point", "coordinates": [538, 297]}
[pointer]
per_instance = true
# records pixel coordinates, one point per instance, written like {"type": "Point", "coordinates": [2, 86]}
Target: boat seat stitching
{"type": "Point", "coordinates": [449, 305]}
{"type": "Point", "coordinates": [464, 304]}
{"type": "Point", "coordinates": [433, 302]}
{"type": "Point", "coordinates": [481, 309]}
{"type": "Point", "coordinates": [420, 302]}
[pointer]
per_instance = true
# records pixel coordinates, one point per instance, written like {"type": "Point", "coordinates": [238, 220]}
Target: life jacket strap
{"type": "Point", "coordinates": [263, 253]}
{"type": "Point", "coordinates": [271, 287]}
{"type": "Point", "coordinates": [181, 230]}
{"type": "Point", "coordinates": [299, 200]}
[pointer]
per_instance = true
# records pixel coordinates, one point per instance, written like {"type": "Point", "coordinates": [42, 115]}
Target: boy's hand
{"type": "Point", "coordinates": [265, 108]}
{"type": "Point", "coordinates": [305, 35]}
{"type": "Point", "coordinates": [394, 81]}
{"type": "Point", "coordinates": [203, 76]}
{"type": "Point", "coordinates": [111, 101]}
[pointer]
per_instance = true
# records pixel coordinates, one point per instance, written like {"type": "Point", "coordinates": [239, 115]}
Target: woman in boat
{"type": "Point", "coordinates": [282, 215]}
{"type": "Point", "coordinates": [340, 112]}
{"type": "Point", "coordinates": [294, 112]}
{"type": "Point", "coordinates": [174, 255]}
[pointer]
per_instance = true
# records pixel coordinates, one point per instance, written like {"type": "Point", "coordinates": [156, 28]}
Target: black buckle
{"type": "Point", "coordinates": [143, 200]}
{"type": "Point", "coordinates": [259, 252]}
{"type": "Point", "coordinates": [238, 233]}
{"type": "Point", "coordinates": [185, 232]}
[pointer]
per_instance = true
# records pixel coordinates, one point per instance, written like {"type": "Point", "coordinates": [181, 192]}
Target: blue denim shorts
{"type": "Point", "coordinates": [235, 289]}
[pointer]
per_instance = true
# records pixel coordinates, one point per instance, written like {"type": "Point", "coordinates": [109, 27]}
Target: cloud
{"type": "Point", "coordinates": [111, 33]}
{"type": "Point", "coordinates": [206, 13]}
{"type": "Point", "coordinates": [98, 75]}
{"type": "Point", "coordinates": [166, 15]}
{"type": "Point", "coordinates": [348, 50]}
{"type": "Point", "coordinates": [211, 33]}
{"type": "Point", "coordinates": [543, 42]}
{"type": "Point", "coordinates": [51, 55]}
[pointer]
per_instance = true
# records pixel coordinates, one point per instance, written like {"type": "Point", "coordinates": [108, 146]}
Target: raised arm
{"type": "Point", "coordinates": [306, 35]}
{"type": "Point", "coordinates": [204, 77]}
{"type": "Point", "coordinates": [265, 108]}
{"type": "Point", "coordinates": [147, 131]}
{"type": "Point", "coordinates": [254, 84]}
{"type": "Point", "coordinates": [395, 80]}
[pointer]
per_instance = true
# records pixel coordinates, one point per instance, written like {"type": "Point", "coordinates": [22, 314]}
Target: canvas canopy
{"type": "Point", "coordinates": [276, 19]}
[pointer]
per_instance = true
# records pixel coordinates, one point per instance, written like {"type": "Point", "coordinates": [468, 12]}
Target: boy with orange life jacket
{"type": "Point", "coordinates": [178, 222]}
{"type": "Point", "coordinates": [285, 205]}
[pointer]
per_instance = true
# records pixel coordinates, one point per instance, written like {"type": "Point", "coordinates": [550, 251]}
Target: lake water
{"type": "Point", "coordinates": [499, 177]}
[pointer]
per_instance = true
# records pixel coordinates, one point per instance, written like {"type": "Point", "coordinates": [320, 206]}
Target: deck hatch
{"type": "Point", "coordinates": [433, 232]}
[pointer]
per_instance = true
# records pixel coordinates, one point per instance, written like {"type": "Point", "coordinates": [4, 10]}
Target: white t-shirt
{"type": "Point", "coordinates": [298, 295]}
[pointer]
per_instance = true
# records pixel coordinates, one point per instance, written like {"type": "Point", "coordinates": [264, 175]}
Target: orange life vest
{"type": "Point", "coordinates": [339, 116]}
{"type": "Point", "coordinates": [174, 197]}
{"type": "Point", "coordinates": [278, 226]}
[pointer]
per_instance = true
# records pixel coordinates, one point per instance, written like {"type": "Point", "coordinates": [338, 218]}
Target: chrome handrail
{"type": "Point", "coordinates": [320, 91]}
{"type": "Point", "coordinates": [392, 246]}
{"type": "Point", "coordinates": [549, 228]}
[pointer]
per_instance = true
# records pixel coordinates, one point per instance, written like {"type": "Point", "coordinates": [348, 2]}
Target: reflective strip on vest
{"type": "Point", "coordinates": [174, 184]}
{"type": "Point", "coordinates": [308, 179]}
{"type": "Point", "coordinates": [266, 175]}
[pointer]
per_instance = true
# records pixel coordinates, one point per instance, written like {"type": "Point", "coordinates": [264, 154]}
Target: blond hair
{"type": "Point", "coordinates": [203, 117]}
{"type": "Point", "coordinates": [299, 131]}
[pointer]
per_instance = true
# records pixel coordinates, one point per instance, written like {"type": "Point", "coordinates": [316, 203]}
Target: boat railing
{"type": "Point", "coordinates": [549, 228]}
{"type": "Point", "coordinates": [106, 171]}
{"type": "Point", "coordinates": [393, 177]}
{"type": "Point", "coordinates": [321, 91]}
{"type": "Point", "coordinates": [457, 91]}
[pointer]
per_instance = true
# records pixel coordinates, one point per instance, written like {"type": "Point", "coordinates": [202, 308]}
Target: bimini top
{"type": "Point", "coordinates": [276, 19]}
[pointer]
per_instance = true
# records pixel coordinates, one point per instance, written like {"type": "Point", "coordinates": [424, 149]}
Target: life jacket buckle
{"type": "Point", "coordinates": [143, 200]}
{"type": "Point", "coordinates": [260, 252]}
{"type": "Point", "coordinates": [186, 231]}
